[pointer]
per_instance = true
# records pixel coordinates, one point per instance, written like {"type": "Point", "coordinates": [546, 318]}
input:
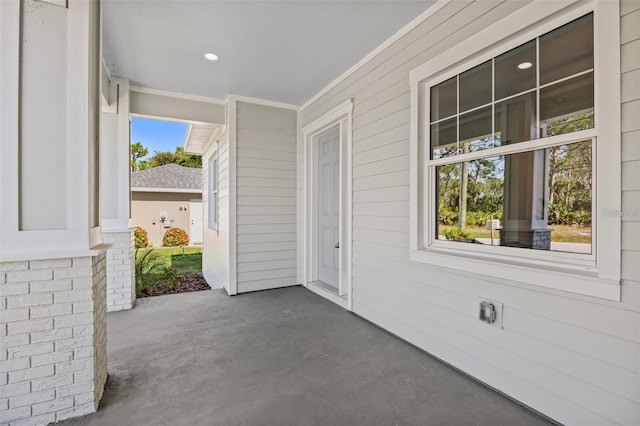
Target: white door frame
{"type": "Point", "coordinates": [340, 116]}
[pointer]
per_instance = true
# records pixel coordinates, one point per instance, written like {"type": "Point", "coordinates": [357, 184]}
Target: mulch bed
{"type": "Point", "coordinates": [188, 283]}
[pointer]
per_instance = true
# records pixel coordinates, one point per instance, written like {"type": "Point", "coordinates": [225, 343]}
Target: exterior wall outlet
{"type": "Point", "coordinates": [490, 312]}
{"type": "Point", "coordinates": [487, 312]}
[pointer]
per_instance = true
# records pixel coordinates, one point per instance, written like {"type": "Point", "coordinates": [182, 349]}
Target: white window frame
{"type": "Point", "coordinates": [213, 192]}
{"type": "Point", "coordinates": [595, 275]}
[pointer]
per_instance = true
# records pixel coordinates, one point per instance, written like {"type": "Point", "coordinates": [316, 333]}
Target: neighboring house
{"type": "Point", "coordinates": [341, 191]}
{"type": "Point", "coordinates": [165, 197]}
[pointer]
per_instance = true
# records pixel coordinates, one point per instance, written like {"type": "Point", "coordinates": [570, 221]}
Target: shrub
{"type": "Point", "coordinates": [152, 271]}
{"type": "Point", "coordinates": [141, 238]}
{"type": "Point", "coordinates": [456, 234]}
{"type": "Point", "coordinates": [175, 237]}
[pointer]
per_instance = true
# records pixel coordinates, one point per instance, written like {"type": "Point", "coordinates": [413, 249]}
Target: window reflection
{"type": "Point", "coordinates": [444, 138]}
{"type": "Point", "coordinates": [516, 70]}
{"type": "Point", "coordinates": [567, 106]}
{"type": "Point", "coordinates": [539, 200]}
{"type": "Point", "coordinates": [475, 87]}
{"type": "Point", "coordinates": [515, 119]}
{"type": "Point", "coordinates": [476, 130]}
{"type": "Point", "coordinates": [444, 99]}
{"type": "Point", "coordinates": [567, 50]}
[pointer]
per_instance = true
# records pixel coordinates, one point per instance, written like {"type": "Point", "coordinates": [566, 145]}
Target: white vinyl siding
{"type": "Point", "coordinates": [571, 357]}
{"type": "Point", "coordinates": [266, 197]}
{"type": "Point", "coordinates": [215, 261]}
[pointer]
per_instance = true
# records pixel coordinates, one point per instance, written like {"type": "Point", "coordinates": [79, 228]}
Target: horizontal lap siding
{"type": "Point", "coordinates": [572, 357]}
{"type": "Point", "coordinates": [215, 261]}
{"type": "Point", "coordinates": [266, 197]}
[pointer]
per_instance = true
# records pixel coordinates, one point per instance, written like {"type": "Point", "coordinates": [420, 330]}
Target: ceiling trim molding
{"type": "Point", "coordinates": [265, 102]}
{"type": "Point", "coordinates": [375, 52]}
{"type": "Point", "coordinates": [159, 92]}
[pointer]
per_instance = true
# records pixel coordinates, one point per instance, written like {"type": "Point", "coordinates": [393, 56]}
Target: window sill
{"type": "Point", "coordinates": [540, 273]}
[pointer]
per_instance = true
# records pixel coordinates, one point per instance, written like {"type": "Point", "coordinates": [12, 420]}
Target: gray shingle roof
{"type": "Point", "coordinates": [168, 176]}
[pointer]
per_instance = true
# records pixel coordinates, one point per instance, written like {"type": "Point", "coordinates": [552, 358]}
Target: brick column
{"type": "Point", "coordinates": [121, 286]}
{"type": "Point", "coordinates": [53, 361]}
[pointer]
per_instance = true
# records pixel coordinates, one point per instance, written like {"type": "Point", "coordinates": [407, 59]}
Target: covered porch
{"type": "Point", "coordinates": [279, 357]}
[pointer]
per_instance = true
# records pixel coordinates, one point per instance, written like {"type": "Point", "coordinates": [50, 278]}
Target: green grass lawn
{"type": "Point", "coordinates": [560, 233]}
{"type": "Point", "coordinates": [188, 263]}
{"type": "Point", "coordinates": [163, 267]}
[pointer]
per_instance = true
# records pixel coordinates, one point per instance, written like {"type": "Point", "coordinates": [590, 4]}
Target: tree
{"type": "Point", "coordinates": [161, 158]}
{"type": "Point", "coordinates": [187, 160]}
{"type": "Point", "coordinates": [179, 157]}
{"type": "Point", "coordinates": [138, 151]}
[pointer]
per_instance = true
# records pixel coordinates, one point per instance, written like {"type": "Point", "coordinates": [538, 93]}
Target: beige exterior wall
{"type": "Point", "coordinates": [146, 208]}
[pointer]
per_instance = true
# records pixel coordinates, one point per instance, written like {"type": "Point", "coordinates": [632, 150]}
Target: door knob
{"type": "Point", "coordinates": [337, 245]}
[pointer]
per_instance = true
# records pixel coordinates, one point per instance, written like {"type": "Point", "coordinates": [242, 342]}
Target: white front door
{"type": "Point", "coordinates": [195, 227]}
{"type": "Point", "coordinates": [329, 207]}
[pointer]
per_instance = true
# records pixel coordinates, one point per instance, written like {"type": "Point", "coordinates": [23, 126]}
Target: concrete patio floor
{"type": "Point", "coordinates": [279, 357]}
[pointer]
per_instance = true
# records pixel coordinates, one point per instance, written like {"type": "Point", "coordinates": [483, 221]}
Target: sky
{"type": "Point", "coordinates": [157, 135]}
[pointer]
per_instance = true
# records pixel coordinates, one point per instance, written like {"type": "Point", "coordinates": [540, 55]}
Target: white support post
{"type": "Point", "coordinates": [115, 172]}
{"type": "Point", "coordinates": [52, 260]}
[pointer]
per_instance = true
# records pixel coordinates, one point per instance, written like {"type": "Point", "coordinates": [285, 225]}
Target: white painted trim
{"type": "Point", "coordinates": [105, 87]}
{"type": "Point", "coordinates": [9, 113]}
{"type": "Point", "coordinates": [544, 274]}
{"type": "Point", "coordinates": [172, 190]}
{"type": "Point", "coordinates": [187, 136]}
{"type": "Point", "coordinates": [76, 234]}
{"type": "Point", "coordinates": [114, 226]}
{"type": "Point", "coordinates": [57, 254]}
{"type": "Point", "coordinates": [172, 119]}
{"type": "Point", "coordinates": [186, 96]}
{"type": "Point", "coordinates": [232, 107]}
{"type": "Point", "coordinates": [375, 52]}
{"type": "Point", "coordinates": [594, 275]}
{"type": "Point", "coordinates": [216, 131]}
{"type": "Point", "coordinates": [61, 3]}
{"type": "Point", "coordinates": [349, 208]}
{"type": "Point", "coordinates": [106, 69]}
{"type": "Point", "coordinates": [342, 116]}
{"type": "Point", "coordinates": [328, 119]}
{"type": "Point", "coordinates": [265, 102]}
{"type": "Point", "coordinates": [534, 144]}
{"type": "Point", "coordinates": [118, 173]}
{"type": "Point", "coordinates": [328, 294]}
{"type": "Point", "coordinates": [211, 194]}
{"type": "Point", "coordinates": [124, 142]}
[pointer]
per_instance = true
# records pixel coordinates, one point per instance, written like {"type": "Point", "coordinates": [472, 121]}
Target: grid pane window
{"type": "Point", "coordinates": [539, 195]}
{"type": "Point", "coordinates": [213, 193]}
{"type": "Point", "coordinates": [528, 98]}
{"type": "Point", "coordinates": [532, 199]}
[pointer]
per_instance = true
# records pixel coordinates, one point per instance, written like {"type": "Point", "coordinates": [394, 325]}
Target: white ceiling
{"type": "Point", "coordinates": [283, 51]}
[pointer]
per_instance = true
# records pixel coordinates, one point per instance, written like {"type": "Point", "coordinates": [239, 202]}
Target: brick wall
{"type": "Point", "coordinates": [120, 270]}
{"type": "Point", "coordinates": [53, 339]}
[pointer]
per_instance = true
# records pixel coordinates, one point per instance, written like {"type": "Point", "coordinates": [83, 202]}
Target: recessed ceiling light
{"type": "Point", "coordinates": [525, 65]}
{"type": "Point", "coordinates": [211, 56]}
